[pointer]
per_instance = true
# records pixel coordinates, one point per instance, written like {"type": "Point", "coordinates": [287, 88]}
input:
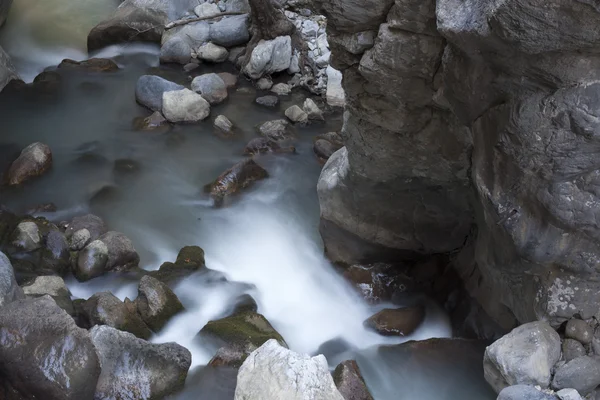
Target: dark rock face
{"type": "Point", "coordinates": [468, 113]}
{"type": "Point", "coordinates": [396, 322]}
{"type": "Point", "coordinates": [33, 161]}
{"type": "Point", "coordinates": [349, 381]}
{"type": "Point", "coordinates": [64, 364]}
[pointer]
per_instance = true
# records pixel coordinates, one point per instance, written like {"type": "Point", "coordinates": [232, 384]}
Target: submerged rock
{"type": "Point", "coordinates": [184, 106]}
{"type": "Point", "coordinates": [44, 354]}
{"type": "Point", "coordinates": [134, 368]}
{"type": "Point", "coordinates": [156, 303]}
{"type": "Point", "coordinates": [211, 87]}
{"type": "Point", "coordinates": [149, 91]}
{"type": "Point", "coordinates": [274, 372]}
{"type": "Point", "coordinates": [278, 129]}
{"type": "Point", "coordinates": [235, 179]}
{"type": "Point", "coordinates": [524, 356]}
{"type": "Point", "coordinates": [152, 122]}
{"type": "Point", "coordinates": [267, 101]}
{"type": "Point", "coordinates": [270, 56]}
{"type": "Point", "coordinates": [349, 381]}
{"type": "Point", "coordinates": [91, 65]}
{"type": "Point", "coordinates": [396, 322]}
{"type": "Point", "coordinates": [223, 123]}
{"type": "Point", "coordinates": [263, 145]}
{"type": "Point", "coordinates": [9, 289]}
{"type": "Point", "coordinates": [106, 309]}
{"type": "Point", "coordinates": [33, 161]}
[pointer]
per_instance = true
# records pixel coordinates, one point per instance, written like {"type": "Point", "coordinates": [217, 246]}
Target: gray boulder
{"type": "Point", "coordinates": [80, 239]}
{"type": "Point", "coordinates": [212, 53]}
{"type": "Point", "coordinates": [524, 392]}
{"type": "Point", "coordinates": [581, 374]}
{"type": "Point", "coordinates": [176, 50]}
{"type": "Point", "coordinates": [264, 83]}
{"type": "Point", "coordinates": [132, 365]}
{"type": "Point", "coordinates": [184, 106]}
{"type": "Point", "coordinates": [274, 372]}
{"type": "Point", "coordinates": [105, 309]}
{"type": "Point", "coordinates": [269, 56]}
{"type": "Point", "coordinates": [33, 161]}
{"type": "Point", "coordinates": [27, 236]}
{"type": "Point", "coordinates": [230, 31]}
{"type": "Point", "coordinates": [121, 253]}
{"type": "Point", "coordinates": [572, 349]}
{"type": "Point", "coordinates": [53, 286]}
{"type": "Point", "coordinates": [194, 34]}
{"type": "Point", "coordinates": [313, 111]}
{"type": "Point", "coordinates": [278, 129]}
{"type": "Point", "coordinates": [524, 356]}
{"type": "Point", "coordinates": [149, 91]}
{"type": "Point", "coordinates": [91, 261]}
{"type": "Point", "coordinates": [94, 225]}
{"type": "Point", "coordinates": [296, 114]}
{"type": "Point", "coordinates": [579, 330]}
{"type": "Point", "coordinates": [156, 303]}
{"type": "Point", "coordinates": [207, 10]}
{"type": "Point", "coordinates": [211, 87]}
{"type": "Point", "coordinates": [9, 289]}
{"type": "Point", "coordinates": [63, 365]}
{"type": "Point", "coordinates": [281, 89]}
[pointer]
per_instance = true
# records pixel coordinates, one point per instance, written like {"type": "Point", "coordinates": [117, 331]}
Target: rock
{"type": "Point", "coordinates": [281, 89]}
{"type": "Point", "coordinates": [296, 115]}
{"type": "Point", "coordinates": [55, 253]}
{"type": "Point", "coordinates": [189, 260]}
{"type": "Point", "coordinates": [228, 357]}
{"type": "Point", "coordinates": [105, 309]}
{"type": "Point", "coordinates": [91, 65]}
{"type": "Point", "coordinates": [91, 261]}
{"type": "Point", "coordinates": [234, 180]}
{"type": "Point", "coordinates": [238, 6]}
{"type": "Point", "coordinates": [269, 56]}
{"type": "Point", "coordinates": [211, 87]}
{"type": "Point", "coordinates": [349, 381]}
{"type": "Point", "coordinates": [524, 356]}
{"type": "Point", "coordinates": [126, 166]}
{"type": "Point", "coordinates": [212, 52]}
{"type": "Point", "coordinates": [267, 101]}
{"type": "Point", "coordinates": [64, 365]}
{"type": "Point", "coordinates": [246, 330]}
{"type": "Point", "coordinates": [193, 35]}
{"type": "Point", "coordinates": [273, 371]}
{"type": "Point", "coordinates": [324, 149]}
{"type": "Point", "coordinates": [184, 106]}
{"type": "Point", "coordinates": [9, 289]}
{"type": "Point", "coordinates": [42, 208]}
{"type": "Point", "coordinates": [27, 237]}
{"type": "Point", "coordinates": [149, 91]}
{"type": "Point", "coordinates": [278, 129]}
{"type": "Point", "coordinates": [207, 10]}
{"type": "Point", "coordinates": [336, 96]}
{"type": "Point", "coordinates": [235, 55]}
{"type": "Point", "coordinates": [229, 79]}
{"type": "Point", "coordinates": [121, 253]}
{"type": "Point", "coordinates": [581, 374]}
{"type": "Point", "coordinates": [156, 303]}
{"type": "Point", "coordinates": [572, 349]}
{"type": "Point", "coordinates": [190, 256]}
{"type": "Point", "coordinates": [134, 366]}
{"type": "Point", "coordinates": [244, 303]}
{"type": "Point", "coordinates": [579, 330]}
{"type": "Point", "coordinates": [8, 72]}
{"type": "Point", "coordinates": [568, 394]}
{"type": "Point", "coordinates": [153, 122]}
{"type": "Point", "coordinates": [55, 287]}
{"type": "Point", "coordinates": [396, 322]}
{"type": "Point", "coordinates": [264, 83]}
{"type": "Point", "coordinates": [33, 161]}
{"type": "Point", "coordinates": [312, 110]}
{"type": "Point", "coordinates": [175, 50]}
{"type": "Point", "coordinates": [524, 392]}
{"type": "Point", "coordinates": [263, 145]}
{"type": "Point", "coordinates": [92, 223]}
{"type": "Point", "coordinates": [223, 123]}
{"type": "Point", "coordinates": [230, 31]}
{"type": "Point", "coordinates": [189, 67]}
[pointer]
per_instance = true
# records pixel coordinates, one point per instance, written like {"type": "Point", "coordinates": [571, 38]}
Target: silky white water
{"type": "Point", "coordinates": [265, 243]}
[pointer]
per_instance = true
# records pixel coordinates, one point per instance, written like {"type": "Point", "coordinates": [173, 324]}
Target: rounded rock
{"type": "Point", "coordinates": [579, 330]}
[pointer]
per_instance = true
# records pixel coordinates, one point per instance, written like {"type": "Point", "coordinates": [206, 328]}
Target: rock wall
{"type": "Point", "coordinates": [472, 122]}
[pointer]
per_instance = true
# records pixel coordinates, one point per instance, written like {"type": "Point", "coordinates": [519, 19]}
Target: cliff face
{"type": "Point", "coordinates": [477, 122]}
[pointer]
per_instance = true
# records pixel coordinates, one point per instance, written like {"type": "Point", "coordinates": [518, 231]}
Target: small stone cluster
{"type": "Point", "coordinates": [536, 362]}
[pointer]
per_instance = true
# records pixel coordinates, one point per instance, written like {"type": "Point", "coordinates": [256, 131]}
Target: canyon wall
{"type": "Point", "coordinates": [472, 128]}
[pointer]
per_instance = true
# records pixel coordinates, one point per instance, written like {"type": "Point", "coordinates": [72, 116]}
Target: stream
{"type": "Point", "coordinates": [266, 243]}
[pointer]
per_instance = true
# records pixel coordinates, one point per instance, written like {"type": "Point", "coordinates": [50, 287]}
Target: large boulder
{"type": "Point", "coordinates": [274, 372]}
{"type": "Point", "coordinates": [524, 356]}
{"type": "Point", "coordinates": [231, 31]}
{"type": "Point", "coordinates": [156, 303]}
{"type": "Point", "coordinates": [33, 161]}
{"type": "Point", "coordinates": [269, 56]}
{"type": "Point", "coordinates": [113, 251]}
{"type": "Point", "coordinates": [235, 179]}
{"type": "Point", "coordinates": [149, 91]}
{"type": "Point", "coordinates": [9, 289]}
{"type": "Point", "coordinates": [184, 106]}
{"type": "Point", "coordinates": [90, 222]}
{"type": "Point", "coordinates": [44, 354]}
{"type": "Point", "coordinates": [104, 308]}
{"type": "Point", "coordinates": [121, 253]}
{"type": "Point", "coordinates": [134, 368]}
{"type": "Point", "coordinates": [211, 87]}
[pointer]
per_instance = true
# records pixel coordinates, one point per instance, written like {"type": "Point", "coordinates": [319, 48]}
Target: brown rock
{"type": "Point", "coordinates": [235, 179]}
{"type": "Point", "coordinates": [349, 381]}
{"type": "Point", "coordinates": [92, 65]}
{"type": "Point", "coordinates": [263, 145]}
{"type": "Point", "coordinates": [396, 322]}
{"type": "Point", "coordinates": [33, 161]}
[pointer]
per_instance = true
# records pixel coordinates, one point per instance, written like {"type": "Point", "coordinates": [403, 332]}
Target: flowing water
{"type": "Point", "coordinates": [266, 242]}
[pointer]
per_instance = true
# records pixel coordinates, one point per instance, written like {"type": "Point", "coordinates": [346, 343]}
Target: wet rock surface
{"type": "Point", "coordinates": [33, 161]}
{"type": "Point", "coordinates": [349, 381]}
{"type": "Point", "coordinates": [156, 303]}
{"type": "Point", "coordinates": [396, 322]}
{"type": "Point", "coordinates": [234, 180]}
